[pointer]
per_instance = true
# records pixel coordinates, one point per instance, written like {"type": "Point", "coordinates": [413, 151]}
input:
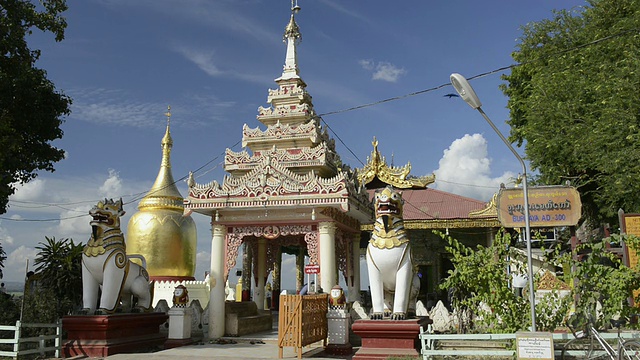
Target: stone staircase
{"type": "Point", "coordinates": [242, 318]}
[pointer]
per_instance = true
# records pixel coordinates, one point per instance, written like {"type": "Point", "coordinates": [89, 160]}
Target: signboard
{"type": "Point", "coordinates": [312, 269]}
{"type": "Point", "coordinates": [549, 206]}
{"type": "Point", "coordinates": [534, 345]}
{"type": "Point", "coordinates": [631, 225]}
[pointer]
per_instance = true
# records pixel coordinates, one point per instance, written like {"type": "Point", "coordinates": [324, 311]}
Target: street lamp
{"type": "Point", "coordinates": [467, 94]}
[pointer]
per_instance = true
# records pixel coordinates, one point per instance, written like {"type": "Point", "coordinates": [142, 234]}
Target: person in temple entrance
{"type": "Point", "coordinates": [305, 288]}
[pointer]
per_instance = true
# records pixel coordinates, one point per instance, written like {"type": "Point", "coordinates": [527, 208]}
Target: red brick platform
{"type": "Point", "coordinates": [386, 338]}
{"type": "Point", "coordinates": [104, 335]}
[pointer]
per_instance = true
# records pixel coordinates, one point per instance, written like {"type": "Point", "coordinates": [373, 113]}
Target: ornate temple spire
{"type": "Point", "coordinates": [167, 141]}
{"type": "Point", "coordinates": [159, 231]}
{"type": "Point", "coordinates": [377, 174]}
{"type": "Point", "coordinates": [164, 193]}
{"type": "Point", "coordinates": [292, 37]}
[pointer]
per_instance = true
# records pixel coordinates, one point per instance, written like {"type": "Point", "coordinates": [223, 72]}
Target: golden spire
{"type": "Point", "coordinates": [159, 231]}
{"type": "Point", "coordinates": [164, 193]}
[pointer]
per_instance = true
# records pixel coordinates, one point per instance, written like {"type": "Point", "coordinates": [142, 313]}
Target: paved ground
{"type": "Point", "coordinates": [263, 345]}
{"type": "Point", "coordinates": [240, 350]}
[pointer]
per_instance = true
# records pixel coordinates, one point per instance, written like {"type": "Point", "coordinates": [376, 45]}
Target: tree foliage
{"type": "Point", "coordinates": [3, 257]}
{"type": "Point", "coordinates": [575, 100]}
{"type": "Point", "coordinates": [480, 285]}
{"type": "Point", "coordinates": [10, 313]}
{"type": "Point", "coordinates": [31, 109]}
{"type": "Point", "coordinates": [59, 267]}
{"type": "Point", "coordinates": [602, 285]}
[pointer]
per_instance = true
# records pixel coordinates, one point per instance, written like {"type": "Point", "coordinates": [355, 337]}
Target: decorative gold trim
{"type": "Point", "coordinates": [548, 281]}
{"type": "Point", "coordinates": [491, 210]}
{"type": "Point", "coordinates": [377, 167]}
{"type": "Point", "coordinates": [443, 224]}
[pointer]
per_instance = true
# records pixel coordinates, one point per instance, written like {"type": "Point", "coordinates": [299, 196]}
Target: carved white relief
{"type": "Point", "coordinates": [279, 131]}
{"type": "Point", "coordinates": [321, 152]}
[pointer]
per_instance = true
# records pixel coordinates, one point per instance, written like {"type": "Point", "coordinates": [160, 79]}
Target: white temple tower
{"type": "Point", "coordinates": [287, 190]}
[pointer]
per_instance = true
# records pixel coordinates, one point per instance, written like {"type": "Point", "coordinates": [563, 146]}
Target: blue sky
{"type": "Point", "coordinates": [123, 62]}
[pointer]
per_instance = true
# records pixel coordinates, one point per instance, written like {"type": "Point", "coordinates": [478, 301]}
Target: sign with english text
{"type": "Point", "coordinates": [549, 206]}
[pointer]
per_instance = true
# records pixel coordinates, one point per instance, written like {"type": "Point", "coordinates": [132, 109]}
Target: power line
{"type": "Point", "coordinates": [138, 196]}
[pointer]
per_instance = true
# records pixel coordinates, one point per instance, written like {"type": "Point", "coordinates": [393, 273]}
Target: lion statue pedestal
{"type": "Point", "coordinates": [179, 319]}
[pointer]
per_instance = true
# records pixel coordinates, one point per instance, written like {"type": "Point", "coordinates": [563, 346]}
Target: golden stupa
{"type": "Point", "coordinates": [159, 231]}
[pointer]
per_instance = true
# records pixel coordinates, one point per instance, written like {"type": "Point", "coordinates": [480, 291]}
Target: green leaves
{"type": "Point", "coordinates": [31, 109]}
{"type": "Point", "coordinates": [59, 263]}
{"type": "Point", "coordinates": [600, 277]}
{"type": "Point", "coordinates": [574, 102]}
{"type": "Point", "coordinates": [3, 257]}
{"type": "Point", "coordinates": [480, 286]}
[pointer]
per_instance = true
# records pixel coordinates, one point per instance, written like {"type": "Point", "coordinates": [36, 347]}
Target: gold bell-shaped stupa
{"type": "Point", "coordinates": [159, 231]}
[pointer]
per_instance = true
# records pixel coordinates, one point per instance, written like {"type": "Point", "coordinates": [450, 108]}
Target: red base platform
{"type": "Point", "coordinates": [382, 339]}
{"type": "Point", "coordinates": [104, 335]}
{"type": "Point", "coordinates": [338, 349]}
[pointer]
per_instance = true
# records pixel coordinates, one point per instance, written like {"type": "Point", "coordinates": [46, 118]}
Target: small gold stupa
{"type": "Point", "coordinates": [159, 231]}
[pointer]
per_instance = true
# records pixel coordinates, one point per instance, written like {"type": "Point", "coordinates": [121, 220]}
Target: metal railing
{"type": "Point", "coordinates": [428, 342]}
{"type": "Point", "coordinates": [44, 343]}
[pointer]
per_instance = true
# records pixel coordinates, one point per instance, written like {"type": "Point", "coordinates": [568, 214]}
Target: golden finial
{"type": "Point", "coordinates": [167, 142]}
{"type": "Point", "coordinates": [168, 114]}
{"type": "Point", "coordinates": [294, 6]}
{"type": "Point", "coordinates": [292, 30]}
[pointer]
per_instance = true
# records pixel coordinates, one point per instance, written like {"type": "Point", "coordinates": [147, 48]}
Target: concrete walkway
{"type": "Point", "coordinates": [262, 345]}
{"type": "Point", "coordinates": [240, 350]}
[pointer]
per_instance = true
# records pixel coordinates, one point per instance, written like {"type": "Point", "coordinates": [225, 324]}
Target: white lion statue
{"type": "Point", "coordinates": [391, 272]}
{"type": "Point", "coordinates": [105, 265]}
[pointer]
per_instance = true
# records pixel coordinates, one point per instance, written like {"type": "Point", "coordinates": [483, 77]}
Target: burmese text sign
{"type": "Point", "coordinates": [549, 206]}
{"type": "Point", "coordinates": [312, 269]}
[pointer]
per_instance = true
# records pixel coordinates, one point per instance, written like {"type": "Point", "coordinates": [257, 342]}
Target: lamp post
{"type": "Point", "coordinates": [467, 94]}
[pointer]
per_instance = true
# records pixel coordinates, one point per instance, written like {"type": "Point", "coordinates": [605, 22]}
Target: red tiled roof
{"type": "Point", "coordinates": [428, 204]}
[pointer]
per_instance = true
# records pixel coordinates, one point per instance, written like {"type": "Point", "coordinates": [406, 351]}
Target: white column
{"type": "Point", "coordinates": [258, 295]}
{"type": "Point", "coordinates": [216, 277]}
{"type": "Point", "coordinates": [354, 290]}
{"type": "Point", "coordinates": [328, 270]}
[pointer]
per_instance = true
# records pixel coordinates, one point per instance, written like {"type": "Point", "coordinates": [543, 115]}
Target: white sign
{"type": "Point", "coordinates": [534, 345]}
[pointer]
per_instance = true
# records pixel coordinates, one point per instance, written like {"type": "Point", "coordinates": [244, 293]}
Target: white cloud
{"type": "Point", "coordinates": [203, 263]}
{"type": "Point", "coordinates": [382, 70]}
{"type": "Point", "coordinates": [465, 169]}
{"type": "Point", "coordinates": [65, 215]}
{"type": "Point", "coordinates": [203, 59]}
{"type": "Point", "coordinates": [116, 107]}
{"type": "Point", "coordinates": [15, 265]}
{"type": "Point", "coordinates": [110, 106]}
{"type": "Point", "coordinates": [225, 16]}
{"type": "Point", "coordinates": [30, 191]}
{"type": "Point", "coordinates": [74, 223]}
{"type": "Point", "coordinates": [5, 237]}
{"type": "Point", "coordinates": [112, 185]}
{"type": "Point", "coordinates": [367, 64]}
{"type": "Point", "coordinates": [338, 6]}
